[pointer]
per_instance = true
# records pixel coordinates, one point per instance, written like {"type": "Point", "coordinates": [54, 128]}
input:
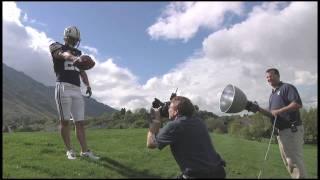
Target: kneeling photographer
{"type": "Point", "coordinates": [188, 138]}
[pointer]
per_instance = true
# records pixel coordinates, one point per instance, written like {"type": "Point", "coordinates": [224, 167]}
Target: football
{"type": "Point", "coordinates": [84, 62]}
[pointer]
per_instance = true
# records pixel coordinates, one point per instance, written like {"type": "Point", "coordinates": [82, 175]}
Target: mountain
{"type": "Point", "coordinates": [25, 98]}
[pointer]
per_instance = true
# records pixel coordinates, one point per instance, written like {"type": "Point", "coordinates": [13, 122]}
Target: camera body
{"type": "Point", "coordinates": [164, 106]}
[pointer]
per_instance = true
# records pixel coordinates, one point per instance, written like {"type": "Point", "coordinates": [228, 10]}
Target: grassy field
{"type": "Point", "coordinates": [124, 154]}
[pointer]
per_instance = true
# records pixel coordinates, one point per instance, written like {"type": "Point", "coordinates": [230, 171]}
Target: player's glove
{"type": "Point", "coordinates": [89, 91]}
{"type": "Point", "coordinates": [252, 106]}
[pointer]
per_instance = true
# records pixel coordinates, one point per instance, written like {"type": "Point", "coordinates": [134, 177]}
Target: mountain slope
{"type": "Point", "coordinates": [25, 98]}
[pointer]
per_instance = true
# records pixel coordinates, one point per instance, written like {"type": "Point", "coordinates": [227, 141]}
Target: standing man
{"type": "Point", "coordinates": [189, 140]}
{"type": "Point", "coordinates": [284, 105]}
{"type": "Point", "coordinates": [68, 95]}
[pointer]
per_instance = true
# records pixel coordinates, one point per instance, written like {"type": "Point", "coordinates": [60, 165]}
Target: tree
{"type": "Point", "coordinates": [117, 116]}
{"type": "Point", "coordinates": [235, 127]}
{"type": "Point", "coordinates": [123, 111]}
{"type": "Point", "coordinates": [310, 123]}
{"type": "Point", "coordinates": [245, 132]}
{"type": "Point", "coordinates": [206, 114]}
{"type": "Point", "coordinates": [216, 125]}
{"type": "Point", "coordinates": [260, 126]}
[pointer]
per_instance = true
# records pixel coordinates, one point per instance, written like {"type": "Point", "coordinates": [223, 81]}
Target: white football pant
{"type": "Point", "coordinates": [69, 100]}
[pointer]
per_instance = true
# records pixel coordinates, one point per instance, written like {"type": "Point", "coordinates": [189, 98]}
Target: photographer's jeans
{"type": "Point", "coordinates": [291, 150]}
{"type": "Point", "coordinates": [216, 173]}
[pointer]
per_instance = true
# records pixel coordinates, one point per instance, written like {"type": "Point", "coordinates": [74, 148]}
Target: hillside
{"type": "Point", "coordinates": [25, 98]}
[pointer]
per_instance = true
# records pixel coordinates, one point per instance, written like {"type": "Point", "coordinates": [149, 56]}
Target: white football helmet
{"type": "Point", "coordinates": [72, 36]}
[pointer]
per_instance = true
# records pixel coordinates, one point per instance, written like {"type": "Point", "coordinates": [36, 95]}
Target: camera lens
{"type": "Point", "coordinates": [164, 109]}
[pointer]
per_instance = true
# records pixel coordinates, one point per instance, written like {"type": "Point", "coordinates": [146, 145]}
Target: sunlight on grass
{"type": "Point", "coordinates": [124, 155]}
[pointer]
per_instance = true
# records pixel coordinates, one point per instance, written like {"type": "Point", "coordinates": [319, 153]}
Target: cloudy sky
{"type": "Point", "coordinates": [148, 49]}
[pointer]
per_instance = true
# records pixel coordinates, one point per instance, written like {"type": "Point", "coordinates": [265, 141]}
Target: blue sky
{"type": "Point", "coordinates": [148, 49]}
{"type": "Point", "coordinates": [116, 29]}
{"type": "Point", "coordinates": [119, 30]}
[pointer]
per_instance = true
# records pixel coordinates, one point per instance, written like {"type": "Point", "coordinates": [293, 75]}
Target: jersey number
{"type": "Point", "coordinates": [69, 66]}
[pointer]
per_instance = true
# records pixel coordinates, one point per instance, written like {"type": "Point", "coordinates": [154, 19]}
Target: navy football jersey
{"type": "Point", "coordinates": [65, 71]}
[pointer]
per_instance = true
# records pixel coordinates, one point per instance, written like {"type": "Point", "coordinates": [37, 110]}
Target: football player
{"type": "Point", "coordinates": [69, 100]}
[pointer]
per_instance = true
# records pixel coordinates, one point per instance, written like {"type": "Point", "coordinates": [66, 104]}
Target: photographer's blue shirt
{"type": "Point", "coordinates": [190, 144]}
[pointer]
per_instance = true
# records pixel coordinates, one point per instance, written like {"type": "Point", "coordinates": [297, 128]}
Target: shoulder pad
{"type": "Point", "coordinates": [55, 46]}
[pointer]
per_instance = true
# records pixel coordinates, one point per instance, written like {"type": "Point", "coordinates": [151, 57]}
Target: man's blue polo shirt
{"type": "Point", "coordinates": [281, 97]}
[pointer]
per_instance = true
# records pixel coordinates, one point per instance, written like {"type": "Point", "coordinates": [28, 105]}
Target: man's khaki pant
{"type": "Point", "coordinates": [291, 150]}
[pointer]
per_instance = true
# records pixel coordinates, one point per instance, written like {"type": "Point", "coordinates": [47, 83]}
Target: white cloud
{"type": "Point", "coordinates": [285, 38]}
{"type": "Point", "coordinates": [116, 86]}
{"type": "Point", "coordinates": [269, 37]}
{"type": "Point", "coordinates": [25, 18]}
{"type": "Point", "coordinates": [181, 20]}
{"type": "Point", "coordinates": [38, 40]}
{"type": "Point", "coordinates": [10, 13]}
{"type": "Point", "coordinates": [91, 50]}
{"type": "Point", "coordinates": [25, 48]}
{"type": "Point", "coordinates": [305, 78]}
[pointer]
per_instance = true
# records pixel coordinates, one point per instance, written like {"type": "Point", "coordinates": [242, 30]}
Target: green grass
{"type": "Point", "coordinates": [124, 155]}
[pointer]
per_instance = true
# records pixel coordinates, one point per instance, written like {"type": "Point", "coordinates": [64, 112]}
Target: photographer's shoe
{"type": "Point", "coordinates": [71, 155]}
{"type": "Point", "coordinates": [90, 155]}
